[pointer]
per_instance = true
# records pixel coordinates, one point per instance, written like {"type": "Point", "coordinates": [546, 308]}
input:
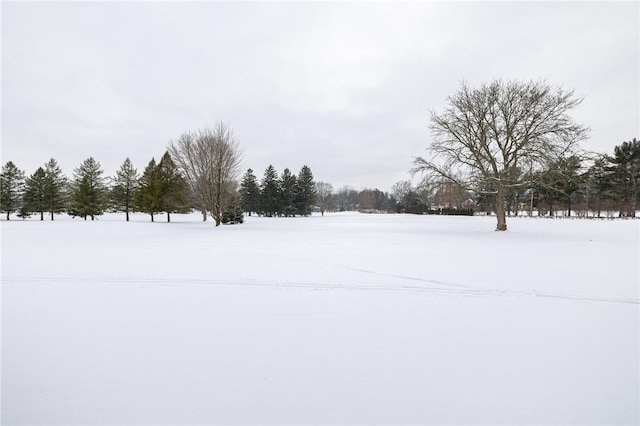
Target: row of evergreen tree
{"type": "Point", "coordinates": [159, 189]}
{"type": "Point", "coordinates": [89, 194]}
{"type": "Point", "coordinates": [286, 195]}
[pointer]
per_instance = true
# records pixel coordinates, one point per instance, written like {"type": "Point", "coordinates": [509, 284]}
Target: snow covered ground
{"type": "Point", "coordinates": [343, 319]}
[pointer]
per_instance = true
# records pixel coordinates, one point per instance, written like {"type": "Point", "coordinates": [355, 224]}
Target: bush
{"type": "Point", "coordinates": [233, 216]}
{"type": "Point", "coordinates": [452, 212]}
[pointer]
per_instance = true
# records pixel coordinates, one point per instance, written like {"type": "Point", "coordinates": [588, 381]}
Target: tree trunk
{"type": "Point", "coordinates": [151, 217]}
{"type": "Point", "coordinates": [126, 212]}
{"type": "Point", "coordinates": [7, 214]}
{"type": "Point", "coordinates": [42, 215]}
{"type": "Point", "coordinates": [500, 211]}
{"type": "Point", "coordinates": [51, 214]}
{"type": "Point", "coordinates": [204, 215]}
{"type": "Point", "coordinates": [168, 217]}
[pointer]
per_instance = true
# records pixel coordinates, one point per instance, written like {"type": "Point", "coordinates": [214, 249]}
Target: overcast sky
{"type": "Point", "coordinates": [345, 88]}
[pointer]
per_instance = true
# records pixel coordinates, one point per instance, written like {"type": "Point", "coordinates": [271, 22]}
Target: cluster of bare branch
{"type": "Point", "coordinates": [488, 137]}
{"type": "Point", "coordinates": [210, 160]}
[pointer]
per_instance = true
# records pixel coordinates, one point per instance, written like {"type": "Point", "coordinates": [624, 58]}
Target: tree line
{"type": "Point", "coordinates": [581, 184]}
{"type": "Point", "coordinates": [286, 195]}
{"type": "Point", "coordinates": [199, 171]}
{"type": "Point", "coordinates": [89, 194]}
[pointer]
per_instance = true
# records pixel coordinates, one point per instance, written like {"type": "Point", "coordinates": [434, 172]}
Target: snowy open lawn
{"type": "Point", "coordinates": [343, 319]}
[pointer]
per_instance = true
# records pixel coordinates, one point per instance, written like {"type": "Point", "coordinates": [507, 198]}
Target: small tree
{"type": "Point", "coordinates": [124, 188]}
{"type": "Point", "coordinates": [400, 192]}
{"type": "Point", "coordinates": [35, 196]}
{"type": "Point", "coordinates": [485, 134]}
{"type": "Point", "coordinates": [250, 193]}
{"type": "Point", "coordinates": [210, 162]}
{"type": "Point", "coordinates": [55, 190]}
{"type": "Point", "coordinates": [270, 192]}
{"type": "Point", "coordinates": [173, 188]}
{"type": "Point", "coordinates": [11, 188]}
{"type": "Point", "coordinates": [324, 191]}
{"type": "Point", "coordinates": [88, 191]}
{"type": "Point", "coordinates": [288, 193]}
{"type": "Point", "coordinates": [306, 191]}
{"type": "Point", "coordinates": [148, 195]}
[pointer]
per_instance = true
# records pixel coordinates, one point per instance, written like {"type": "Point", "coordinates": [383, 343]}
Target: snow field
{"type": "Point", "coordinates": [342, 319]}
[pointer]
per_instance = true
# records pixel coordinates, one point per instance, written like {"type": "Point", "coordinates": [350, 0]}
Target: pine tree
{"type": "Point", "coordinates": [250, 193]}
{"type": "Point", "coordinates": [11, 188]}
{"type": "Point", "coordinates": [626, 168]}
{"type": "Point", "coordinates": [88, 190]}
{"type": "Point", "coordinates": [55, 188]}
{"type": "Point", "coordinates": [173, 188]}
{"type": "Point", "coordinates": [147, 197]}
{"type": "Point", "coordinates": [600, 185]}
{"type": "Point", "coordinates": [270, 192]}
{"type": "Point", "coordinates": [35, 193]}
{"type": "Point", "coordinates": [288, 193]}
{"type": "Point", "coordinates": [124, 188]}
{"type": "Point", "coordinates": [306, 192]}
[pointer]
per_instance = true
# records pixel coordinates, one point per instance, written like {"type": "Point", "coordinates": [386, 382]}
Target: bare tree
{"type": "Point", "coordinates": [210, 160]}
{"type": "Point", "coordinates": [324, 191]}
{"type": "Point", "coordinates": [400, 191]}
{"type": "Point", "coordinates": [485, 134]}
{"type": "Point", "coordinates": [426, 190]}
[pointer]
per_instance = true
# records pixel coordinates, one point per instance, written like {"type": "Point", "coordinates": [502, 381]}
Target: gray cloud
{"type": "Point", "coordinates": [343, 87]}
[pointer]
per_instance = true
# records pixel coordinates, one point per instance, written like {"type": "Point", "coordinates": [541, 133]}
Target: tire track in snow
{"type": "Point", "coordinates": [444, 288]}
{"type": "Point", "coordinates": [494, 291]}
{"type": "Point", "coordinates": [170, 282]}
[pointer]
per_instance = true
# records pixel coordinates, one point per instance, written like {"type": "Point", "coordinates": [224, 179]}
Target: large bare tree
{"type": "Point", "coordinates": [210, 160]}
{"type": "Point", "coordinates": [484, 135]}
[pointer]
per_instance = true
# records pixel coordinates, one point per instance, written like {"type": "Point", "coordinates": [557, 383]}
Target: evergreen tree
{"type": "Point", "coordinates": [148, 195]}
{"type": "Point", "coordinates": [55, 188]}
{"type": "Point", "coordinates": [270, 192]}
{"type": "Point", "coordinates": [124, 188]}
{"type": "Point", "coordinates": [35, 193]}
{"type": "Point", "coordinates": [11, 188]}
{"type": "Point", "coordinates": [233, 216]}
{"type": "Point", "coordinates": [250, 193]}
{"type": "Point", "coordinates": [88, 190]}
{"type": "Point", "coordinates": [306, 192]}
{"type": "Point", "coordinates": [568, 170]}
{"type": "Point", "coordinates": [599, 185]}
{"type": "Point", "coordinates": [626, 175]}
{"type": "Point", "coordinates": [547, 186]}
{"type": "Point", "coordinates": [173, 188]}
{"type": "Point", "coordinates": [288, 193]}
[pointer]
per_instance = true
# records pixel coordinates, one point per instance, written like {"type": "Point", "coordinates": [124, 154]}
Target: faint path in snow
{"type": "Point", "coordinates": [435, 287]}
{"type": "Point", "coordinates": [488, 291]}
